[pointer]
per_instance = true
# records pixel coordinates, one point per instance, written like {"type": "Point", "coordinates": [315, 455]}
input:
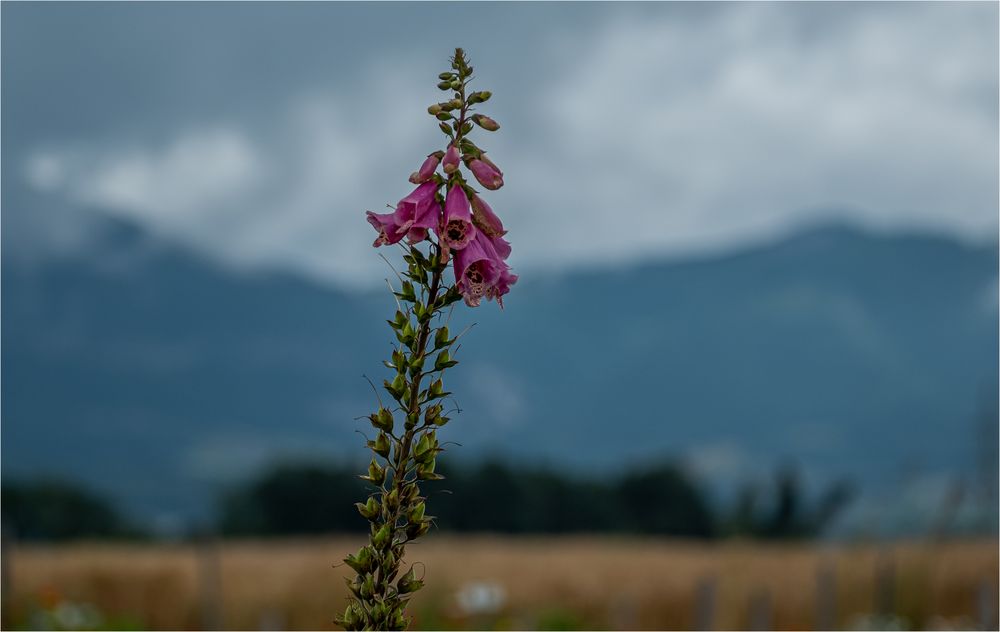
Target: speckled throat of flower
{"type": "Point", "coordinates": [455, 228]}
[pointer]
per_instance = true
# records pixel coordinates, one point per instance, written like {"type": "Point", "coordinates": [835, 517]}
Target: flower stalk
{"type": "Point", "coordinates": [450, 227]}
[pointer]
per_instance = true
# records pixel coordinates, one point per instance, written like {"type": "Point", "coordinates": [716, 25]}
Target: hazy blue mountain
{"type": "Point", "coordinates": [159, 377]}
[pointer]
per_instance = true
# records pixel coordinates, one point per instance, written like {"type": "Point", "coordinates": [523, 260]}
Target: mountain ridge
{"type": "Point", "coordinates": [854, 353]}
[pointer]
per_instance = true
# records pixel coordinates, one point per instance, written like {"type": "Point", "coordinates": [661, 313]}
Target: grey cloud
{"type": "Point", "coordinates": [258, 133]}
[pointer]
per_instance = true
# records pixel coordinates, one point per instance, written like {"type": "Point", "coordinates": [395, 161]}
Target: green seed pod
{"type": "Point", "coordinates": [354, 585]}
{"type": "Point", "coordinates": [416, 513]}
{"type": "Point", "coordinates": [360, 562]}
{"type": "Point", "coordinates": [368, 510]}
{"type": "Point", "coordinates": [380, 611]}
{"type": "Point", "coordinates": [376, 474]}
{"type": "Point", "coordinates": [382, 537]}
{"type": "Point", "coordinates": [381, 446]}
{"type": "Point", "coordinates": [444, 361]}
{"type": "Point", "coordinates": [441, 338]}
{"type": "Point", "coordinates": [408, 583]}
{"type": "Point", "coordinates": [416, 530]}
{"type": "Point", "coordinates": [398, 621]}
{"type": "Point", "coordinates": [423, 448]}
{"type": "Point", "coordinates": [352, 618]}
{"type": "Point", "coordinates": [432, 413]}
{"type": "Point", "coordinates": [367, 589]}
{"type": "Point", "coordinates": [391, 500]}
{"type": "Point", "coordinates": [411, 419]}
{"type": "Point", "coordinates": [399, 382]}
{"type": "Point", "coordinates": [410, 491]}
{"type": "Point", "coordinates": [407, 293]}
{"type": "Point", "coordinates": [384, 420]}
{"type": "Point", "coordinates": [425, 471]}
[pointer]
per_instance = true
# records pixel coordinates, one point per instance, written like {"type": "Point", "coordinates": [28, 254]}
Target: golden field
{"type": "Point", "coordinates": [511, 583]}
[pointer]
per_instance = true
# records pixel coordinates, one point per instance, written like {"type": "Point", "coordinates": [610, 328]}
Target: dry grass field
{"type": "Point", "coordinates": [512, 583]}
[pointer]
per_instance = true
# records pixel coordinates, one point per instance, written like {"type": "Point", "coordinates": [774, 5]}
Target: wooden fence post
{"type": "Point", "coordinates": [704, 604]}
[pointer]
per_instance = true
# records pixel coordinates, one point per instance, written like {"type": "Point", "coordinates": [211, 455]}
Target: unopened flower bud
{"type": "Point", "coordinates": [433, 110]}
{"type": "Point", "coordinates": [427, 169]}
{"type": "Point", "coordinates": [486, 122]}
{"type": "Point", "coordinates": [486, 173]}
{"type": "Point", "coordinates": [479, 97]}
{"type": "Point", "coordinates": [455, 103]}
{"type": "Point", "coordinates": [444, 85]}
{"type": "Point", "coordinates": [451, 159]}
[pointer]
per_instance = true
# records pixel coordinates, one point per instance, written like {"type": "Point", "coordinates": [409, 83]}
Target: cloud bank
{"type": "Point", "coordinates": [646, 133]}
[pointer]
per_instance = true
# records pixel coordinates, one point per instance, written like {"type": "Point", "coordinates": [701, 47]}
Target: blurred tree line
{"type": "Point", "coordinates": [299, 499]}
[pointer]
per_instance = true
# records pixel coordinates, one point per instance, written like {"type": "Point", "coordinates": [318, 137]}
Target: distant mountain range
{"type": "Point", "coordinates": [159, 377]}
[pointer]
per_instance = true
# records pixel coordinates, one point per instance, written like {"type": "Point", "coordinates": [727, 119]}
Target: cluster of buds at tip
{"type": "Point", "coordinates": [447, 225]}
{"type": "Point", "coordinates": [469, 234]}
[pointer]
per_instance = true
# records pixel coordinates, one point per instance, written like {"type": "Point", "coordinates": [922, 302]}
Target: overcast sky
{"type": "Point", "coordinates": [260, 133]}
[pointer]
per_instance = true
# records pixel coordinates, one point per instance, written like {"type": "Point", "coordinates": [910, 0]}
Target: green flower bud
{"type": "Point", "coordinates": [446, 129]}
{"type": "Point", "coordinates": [455, 103]}
{"type": "Point", "coordinates": [480, 97]}
{"type": "Point", "coordinates": [485, 122]}
{"type": "Point", "coordinates": [434, 110]}
{"type": "Point", "coordinates": [446, 75]}
{"type": "Point", "coordinates": [456, 85]}
{"type": "Point", "coordinates": [445, 116]}
{"type": "Point", "coordinates": [444, 85]}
